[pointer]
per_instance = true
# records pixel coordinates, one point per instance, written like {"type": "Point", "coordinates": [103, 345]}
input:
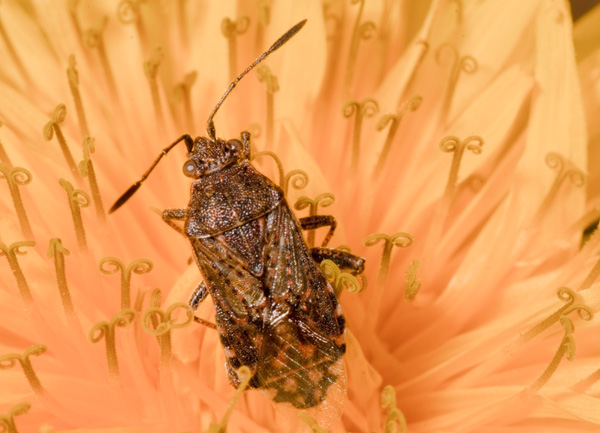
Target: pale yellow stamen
{"type": "Point", "coordinates": [245, 374]}
{"type": "Point", "coordinates": [16, 177]}
{"type": "Point", "coordinates": [466, 64]}
{"type": "Point", "coordinates": [94, 40]}
{"type": "Point", "coordinates": [129, 12]}
{"type": "Point", "coordinates": [159, 323]}
{"type": "Point", "coordinates": [7, 421]}
{"type": "Point", "coordinates": [10, 360]}
{"type": "Point", "coordinates": [368, 107]}
{"type": "Point", "coordinates": [106, 330]}
{"type": "Point", "coordinates": [592, 276]}
{"type": "Point", "coordinates": [13, 54]}
{"type": "Point", "coordinates": [3, 155]}
{"type": "Point", "coordinates": [112, 265]}
{"type": "Point", "coordinates": [565, 170]}
{"type": "Point", "coordinates": [360, 31]}
{"type": "Point", "coordinates": [182, 93]}
{"type": "Point", "coordinates": [264, 19]}
{"type": "Point", "coordinates": [73, 78]}
{"type": "Point", "coordinates": [341, 280]}
{"type": "Point", "coordinates": [272, 86]}
{"type": "Point", "coordinates": [72, 7]}
{"type": "Point", "coordinates": [394, 421]}
{"type": "Point", "coordinates": [310, 421]}
{"type": "Point", "coordinates": [394, 121]}
{"type": "Point", "coordinates": [325, 199]}
{"type": "Point", "coordinates": [11, 252]}
{"type": "Point", "coordinates": [297, 178]}
{"type": "Point", "coordinates": [53, 127]}
{"type": "Point", "coordinates": [58, 251]}
{"type": "Point", "coordinates": [400, 239]}
{"type": "Point", "coordinates": [86, 169]}
{"type": "Point", "coordinates": [454, 145]}
{"type": "Point", "coordinates": [151, 71]}
{"type": "Point", "coordinates": [566, 349]}
{"type": "Point", "coordinates": [231, 29]}
{"type": "Point", "coordinates": [412, 285]}
{"type": "Point", "coordinates": [77, 199]}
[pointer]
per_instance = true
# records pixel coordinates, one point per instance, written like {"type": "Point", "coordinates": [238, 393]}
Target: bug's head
{"type": "Point", "coordinates": [212, 155]}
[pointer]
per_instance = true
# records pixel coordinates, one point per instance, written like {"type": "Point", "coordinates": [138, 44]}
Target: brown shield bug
{"type": "Point", "coordinates": [275, 311]}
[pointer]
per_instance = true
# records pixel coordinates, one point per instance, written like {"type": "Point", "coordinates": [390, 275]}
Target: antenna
{"type": "Point", "coordinates": [282, 40]}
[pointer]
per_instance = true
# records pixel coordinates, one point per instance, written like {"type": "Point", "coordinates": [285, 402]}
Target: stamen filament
{"type": "Point", "coordinates": [114, 265]}
{"type": "Point", "coordinates": [11, 251]}
{"type": "Point", "coordinates": [16, 177]}
{"type": "Point", "coordinates": [310, 421]}
{"type": "Point", "coordinates": [13, 54]}
{"type": "Point", "coordinates": [566, 349]}
{"type": "Point", "coordinates": [273, 155]}
{"type": "Point", "coordinates": [151, 71]}
{"type": "Point", "coordinates": [400, 239]}
{"type": "Point", "coordinates": [466, 64]}
{"type": "Point", "coordinates": [73, 78]}
{"type": "Point", "coordinates": [72, 7]}
{"type": "Point", "coordinates": [11, 359]}
{"type": "Point", "coordinates": [565, 170]}
{"type": "Point", "coordinates": [86, 169]}
{"type": "Point", "coordinates": [3, 155]}
{"type": "Point", "coordinates": [230, 29]}
{"type": "Point", "coordinates": [77, 199]}
{"type": "Point", "coordinates": [245, 374]}
{"type": "Point", "coordinates": [53, 127]}
{"type": "Point", "coordinates": [272, 86]}
{"type": "Point", "coordinates": [182, 91]}
{"type": "Point", "coordinates": [325, 199]}
{"type": "Point", "coordinates": [368, 107]}
{"type": "Point", "coordinates": [129, 12]}
{"type": "Point", "coordinates": [58, 251]}
{"type": "Point", "coordinates": [7, 421]}
{"type": "Point", "coordinates": [453, 145]}
{"type": "Point", "coordinates": [359, 31]}
{"type": "Point", "coordinates": [592, 276]}
{"type": "Point", "coordinates": [94, 40]}
{"type": "Point", "coordinates": [106, 330]}
{"type": "Point", "coordinates": [159, 323]}
{"type": "Point", "coordinates": [412, 283]}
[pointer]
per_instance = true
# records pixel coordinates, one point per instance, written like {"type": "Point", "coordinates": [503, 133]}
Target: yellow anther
{"type": "Point", "coordinates": [566, 349]}
{"type": "Point", "coordinates": [182, 93]}
{"type": "Point", "coordinates": [454, 145]}
{"type": "Point", "coordinates": [16, 177]}
{"type": "Point", "coordinates": [464, 64]}
{"type": "Point", "coordinates": [86, 169]}
{"type": "Point", "coordinates": [231, 29]}
{"type": "Point", "coordinates": [7, 421]}
{"type": "Point", "coordinates": [112, 265]}
{"type": "Point", "coordinates": [565, 170]}
{"type": "Point", "coordinates": [272, 86]}
{"type": "Point", "coordinates": [359, 31]}
{"type": "Point", "coordinates": [341, 280]}
{"type": "Point", "coordinates": [11, 252]}
{"type": "Point", "coordinates": [57, 251]}
{"type": "Point", "coordinates": [368, 107]}
{"type": "Point", "coordinates": [393, 120]}
{"type": "Point", "coordinates": [325, 199]}
{"type": "Point", "coordinates": [151, 70]}
{"type": "Point", "coordinates": [394, 421]}
{"type": "Point", "coordinates": [77, 199]}
{"type": "Point", "coordinates": [157, 322]}
{"type": "Point", "coordinates": [412, 283]}
{"type": "Point", "coordinates": [400, 239]}
{"type": "Point", "coordinates": [11, 359]}
{"type": "Point", "coordinates": [53, 127]}
{"type": "Point", "coordinates": [73, 78]}
{"type": "Point", "coordinates": [296, 178]}
{"type": "Point", "coordinates": [94, 40]}
{"type": "Point", "coordinates": [106, 330]}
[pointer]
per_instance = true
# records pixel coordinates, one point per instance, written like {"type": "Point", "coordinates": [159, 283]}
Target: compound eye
{"type": "Point", "coordinates": [190, 168]}
{"type": "Point", "coordinates": [235, 145]}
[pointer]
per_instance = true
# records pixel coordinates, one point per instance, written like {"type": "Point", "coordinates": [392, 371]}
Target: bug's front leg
{"type": "Point", "coordinates": [316, 221]}
{"type": "Point", "coordinates": [169, 215]}
{"type": "Point", "coordinates": [343, 259]}
{"type": "Point", "coordinates": [198, 296]}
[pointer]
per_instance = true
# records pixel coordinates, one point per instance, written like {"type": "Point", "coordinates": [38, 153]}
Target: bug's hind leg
{"type": "Point", "coordinates": [316, 221]}
{"type": "Point", "coordinates": [198, 296]}
{"type": "Point", "coordinates": [343, 259]}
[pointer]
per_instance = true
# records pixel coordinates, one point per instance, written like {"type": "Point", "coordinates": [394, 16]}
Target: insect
{"type": "Point", "coordinates": [275, 311]}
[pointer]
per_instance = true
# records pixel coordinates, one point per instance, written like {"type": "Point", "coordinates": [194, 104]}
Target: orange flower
{"type": "Point", "coordinates": [447, 138]}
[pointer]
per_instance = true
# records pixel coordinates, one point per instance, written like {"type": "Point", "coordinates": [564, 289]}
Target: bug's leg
{"type": "Point", "coordinates": [343, 259]}
{"type": "Point", "coordinates": [316, 221]}
{"type": "Point", "coordinates": [198, 296]}
{"type": "Point", "coordinates": [169, 215]}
